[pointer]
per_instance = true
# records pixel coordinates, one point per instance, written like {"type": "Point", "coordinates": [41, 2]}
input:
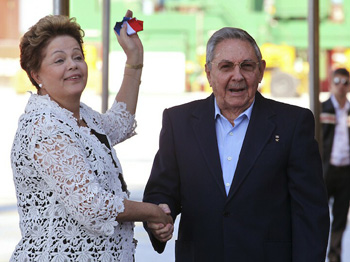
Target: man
{"type": "Point", "coordinates": [336, 157]}
{"type": "Point", "coordinates": [243, 171]}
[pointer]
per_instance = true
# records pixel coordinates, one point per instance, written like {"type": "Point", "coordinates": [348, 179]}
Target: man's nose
{"type": "Point", "coordinates": [236, 74]}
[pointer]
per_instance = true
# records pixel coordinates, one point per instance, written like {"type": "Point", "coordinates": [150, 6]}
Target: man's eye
{"type": "Point", "coordinates": [247, 66]}
{"type": "Point", "coordinates": [225, 65]}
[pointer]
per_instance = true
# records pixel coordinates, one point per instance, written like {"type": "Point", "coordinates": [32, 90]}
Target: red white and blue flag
{"type": "Point", "coordinates": [132, 25]}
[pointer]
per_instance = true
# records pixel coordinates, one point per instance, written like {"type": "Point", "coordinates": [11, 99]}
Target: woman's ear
{"type": "Point", "coordinates": [36, 77]}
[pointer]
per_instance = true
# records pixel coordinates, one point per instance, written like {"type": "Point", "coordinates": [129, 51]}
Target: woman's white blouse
{"type": "Point", "coordinates": [67, 186]}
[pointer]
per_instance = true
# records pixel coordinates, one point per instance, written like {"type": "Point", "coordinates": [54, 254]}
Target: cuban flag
{"type": "Point", "coordinates": [132, 25]}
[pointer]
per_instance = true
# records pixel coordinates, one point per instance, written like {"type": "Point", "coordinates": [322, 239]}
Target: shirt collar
{"type": "Point", "coordinates": [247, 112]}
{"type": "Point", "coordinates": [336, 104]}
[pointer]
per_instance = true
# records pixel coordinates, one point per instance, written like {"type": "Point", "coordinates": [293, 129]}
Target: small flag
{"type": "Point", "coordinates": [133, 25]}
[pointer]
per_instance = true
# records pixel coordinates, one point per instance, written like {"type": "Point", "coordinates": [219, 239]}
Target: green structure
{"type": "Point", "coordinates": [185, 26]}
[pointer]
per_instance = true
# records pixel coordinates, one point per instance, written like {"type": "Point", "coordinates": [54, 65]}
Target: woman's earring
{"type": "Point", "coordinates": [40, 85]}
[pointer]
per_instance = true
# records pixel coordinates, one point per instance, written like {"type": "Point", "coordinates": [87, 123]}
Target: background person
{"type": "Point", "coordinates": [72, 198]}
{"type": "Point", "coordinates": [243, 171]}
{"type": "Point", "coordinates": [336, 157]}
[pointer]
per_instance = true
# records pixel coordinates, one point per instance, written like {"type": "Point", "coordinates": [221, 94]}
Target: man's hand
{"type": "Point", "coordinates": [160, 231]}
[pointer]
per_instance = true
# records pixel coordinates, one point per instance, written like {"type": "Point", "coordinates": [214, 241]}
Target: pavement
{"type": "Point", "coordinates": [136, 156]}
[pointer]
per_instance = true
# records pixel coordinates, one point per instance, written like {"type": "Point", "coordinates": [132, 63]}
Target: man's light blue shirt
{"type": "Point", "coordinates": [230, 139]}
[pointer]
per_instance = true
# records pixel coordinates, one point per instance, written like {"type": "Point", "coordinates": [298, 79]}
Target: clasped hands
{"type": "Point", "coordinates": [162, 232]}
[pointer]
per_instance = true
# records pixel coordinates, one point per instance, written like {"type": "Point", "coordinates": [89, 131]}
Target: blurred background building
{"type": "Point", "coordinates": [175, 34]}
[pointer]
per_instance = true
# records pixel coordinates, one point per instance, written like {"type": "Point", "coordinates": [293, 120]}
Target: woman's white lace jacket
{"type": "Point", "coordinates": [67, 187]}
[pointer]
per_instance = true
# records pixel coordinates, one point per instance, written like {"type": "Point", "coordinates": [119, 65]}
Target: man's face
{"type": "Point", "coordinates": [340, 86]}
{"type": "Point", "coordinates": [234, 87]}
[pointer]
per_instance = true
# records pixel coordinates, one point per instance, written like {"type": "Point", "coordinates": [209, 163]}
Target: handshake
{"type": "Point", "coordinates": [163, 226]}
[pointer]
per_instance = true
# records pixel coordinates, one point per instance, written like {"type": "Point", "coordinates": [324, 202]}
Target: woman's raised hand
{"type": "Point", "coordinates": [131, 44]}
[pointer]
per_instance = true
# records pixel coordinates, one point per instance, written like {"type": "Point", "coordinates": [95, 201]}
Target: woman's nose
{"type": "Point", "coordinates": [72, 64]}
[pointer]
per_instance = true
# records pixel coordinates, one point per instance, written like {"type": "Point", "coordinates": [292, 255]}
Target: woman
{"type": "Point", "coordinates": [72, 199]}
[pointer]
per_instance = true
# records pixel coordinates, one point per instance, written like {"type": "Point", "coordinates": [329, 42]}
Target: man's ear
{"type": "Point", "coordinates": [262, 67]}
{"type": "Point", "coordinates": [207, 71]}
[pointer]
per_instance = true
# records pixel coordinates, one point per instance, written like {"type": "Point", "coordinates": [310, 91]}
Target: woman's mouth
{"type": "Point", "coordinates": [74, 77]}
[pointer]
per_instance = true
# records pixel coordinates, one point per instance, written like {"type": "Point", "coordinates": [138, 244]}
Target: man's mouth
{"type": "Point", "coordinates": [236, 89]}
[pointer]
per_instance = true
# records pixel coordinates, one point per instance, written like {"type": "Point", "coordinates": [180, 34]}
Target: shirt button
{"type": "Point", "coordinates": [231, 133]}
{"type": "Point", "coordinates": [229, 158]}
{"type": "Point", "coordinates": [227, 184]}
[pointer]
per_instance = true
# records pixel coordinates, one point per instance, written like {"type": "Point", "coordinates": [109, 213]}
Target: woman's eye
{"type": "Point", "coordinates": [79, 58]}
{"type": "Point", "coordinates": [59, 61]}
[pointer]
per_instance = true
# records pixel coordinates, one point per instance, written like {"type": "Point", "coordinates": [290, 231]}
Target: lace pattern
{"type": "Point", "coordinates": [67, 187]}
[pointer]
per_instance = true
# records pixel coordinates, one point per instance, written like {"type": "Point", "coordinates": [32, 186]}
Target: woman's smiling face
{"type": "Point", "coordinates": [63, 72]}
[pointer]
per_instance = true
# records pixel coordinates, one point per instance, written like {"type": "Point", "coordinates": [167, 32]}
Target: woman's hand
{"type": "Point", "coordinates": [162, 231]}
{"type": "Point", "coordinates": [131, 45]}
{"type": "Point", "coordinates": [159, 216]}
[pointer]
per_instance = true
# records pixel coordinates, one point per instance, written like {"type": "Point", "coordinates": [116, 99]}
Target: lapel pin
{"type": "Point", "coordinates": [277, 138]}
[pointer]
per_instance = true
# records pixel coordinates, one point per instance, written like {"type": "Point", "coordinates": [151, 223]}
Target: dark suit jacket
{"type": "Point", "coordinates": [328, 120]}
{"type": "Point", "coordinates": [276, 210]}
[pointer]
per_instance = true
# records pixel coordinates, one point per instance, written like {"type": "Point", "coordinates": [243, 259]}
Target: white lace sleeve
{"type": "Point", "coordinates": [118, 123]}
{"type": "Point", "coordinates": [64, 167]}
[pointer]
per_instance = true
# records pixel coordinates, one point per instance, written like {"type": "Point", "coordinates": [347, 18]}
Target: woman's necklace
{"type": "Point", "coordinates": [80, 121]}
